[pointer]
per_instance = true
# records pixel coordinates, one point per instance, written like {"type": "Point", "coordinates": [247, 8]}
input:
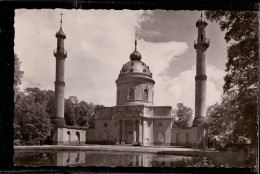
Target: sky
{"type": "Point", "coordinates": [99, 42]}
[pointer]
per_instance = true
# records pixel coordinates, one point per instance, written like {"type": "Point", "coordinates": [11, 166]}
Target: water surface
{"type": "Point", "coordinates": [93, 158]}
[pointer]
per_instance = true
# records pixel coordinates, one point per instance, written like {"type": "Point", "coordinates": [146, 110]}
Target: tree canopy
{"type": "Point", "coordinates": [32, 123]}
{"type": "Point", "coordinates": [183, 115]}
{"type": "Point", "coordinates": [234, 120]}
{"type": "Point", "coordinates": [18, 74]}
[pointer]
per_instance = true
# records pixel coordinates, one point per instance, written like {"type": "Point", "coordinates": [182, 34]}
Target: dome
{"type": "Point", "coordinates": [61, 34]}
{"type": "Point", "coordinates": [135, 55]}
{"type": "Point", "coordinates": [136, 66]}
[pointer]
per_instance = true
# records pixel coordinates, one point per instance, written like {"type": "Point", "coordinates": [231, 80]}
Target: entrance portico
{"type": "Point", "coordinates": [129, 131]}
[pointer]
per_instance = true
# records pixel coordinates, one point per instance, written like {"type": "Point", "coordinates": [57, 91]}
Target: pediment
{"type": "Point", "coordinates": [127, 112]}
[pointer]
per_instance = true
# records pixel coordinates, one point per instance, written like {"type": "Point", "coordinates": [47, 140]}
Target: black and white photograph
{"type": "Point", "coordinates": [135, 88]}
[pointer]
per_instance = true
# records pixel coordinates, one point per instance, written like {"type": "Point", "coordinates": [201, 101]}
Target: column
{"type": "Point", "coordinates": [123, 132]}
{"type": "Point", "coordinates": [134, 132]}
{"type": "Point", "coordinates": [140, 132]}
{"type": "Point", "coordinates": [143, 133]}
{"type": "Point", "coordinates": [118, 132]}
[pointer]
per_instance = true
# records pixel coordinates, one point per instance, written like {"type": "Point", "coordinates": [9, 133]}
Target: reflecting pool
{"type": "Point", "coordinates": [93, 158]}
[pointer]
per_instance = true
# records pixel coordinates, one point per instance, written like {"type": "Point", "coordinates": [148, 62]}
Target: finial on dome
{"type": "Point", "coordinates": [60, 33]}
{"type": "Point", "coordinates": [135, 55]}
{"type": "Point", "coordinates": [201, 21]}
{"type": "Point", "coordinates": [135, 40]}
{"type": "Point", "coordinates": [61, 19]}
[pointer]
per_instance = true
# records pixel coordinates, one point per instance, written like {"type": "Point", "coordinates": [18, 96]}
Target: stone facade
{"type": "Point", "coordinates": [69, 135]}
{"type": "Point", "coordinates": [134, 120]}
{"type": "Point", "coordinates": [135, 125]}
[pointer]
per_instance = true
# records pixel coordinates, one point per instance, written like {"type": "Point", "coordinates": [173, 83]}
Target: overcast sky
{"type": "Point", "coordinates": [99, 42]}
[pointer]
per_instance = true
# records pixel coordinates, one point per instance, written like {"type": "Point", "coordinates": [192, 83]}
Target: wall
{"type": "Point", "coordinates": [200, 137]}
{"type": "Point", "coordinates": [76, 136]}
{"type": "Point", "coordinates": [138, 85]}
{"type": "Point", "coordinates": [185, 137]}
{"type": "Point", "coordinates": [163, 127]}
{"type": "Point", "coordinates": [102, 132]}
{"type": "Point", "coordinates": [69, 136]}
{"type": "Point", "coordinates": [90, 135]}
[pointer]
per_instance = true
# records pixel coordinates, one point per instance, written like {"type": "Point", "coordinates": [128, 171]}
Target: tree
{"type": "Point", "coordinates": [239, 101]}
{"type": "Point", "coordinates": [18, 74]}
{"type": "Point", "coordinates": [183, 115]}
{"type": "Point", "coordinates": [69, 112]}
{"type": "Point", "coordinates": [43, 96]}
{"type": "Point", "coordinates": [32, 123]}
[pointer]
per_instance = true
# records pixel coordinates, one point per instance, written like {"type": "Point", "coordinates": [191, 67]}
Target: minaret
{"type": "Point", "coordinates": [60, 53]}
{"type": "Point", "coordinates": [201, 45]}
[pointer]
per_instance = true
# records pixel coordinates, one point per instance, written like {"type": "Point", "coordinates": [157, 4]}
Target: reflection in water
{"type": "Point", "coordinates": [80, 158]}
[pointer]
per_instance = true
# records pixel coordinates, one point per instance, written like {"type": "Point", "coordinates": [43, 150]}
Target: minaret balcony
{"type": "Point", "coordinates": [60, 53]}
{"type": "Point", "coordinates": [201, 42]}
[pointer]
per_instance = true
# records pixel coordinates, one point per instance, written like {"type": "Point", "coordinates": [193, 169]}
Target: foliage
{"type": "Point", "coordinates": [226, 124]}
{"type": "Point", "coordinates": [183, 115]}
{"type": "Point", "coordinates": [236, 115]}
{"type": "Point", "coordinates": [215, 160]}
{"type": "Point", "coordinates": [18, 74]}
{"type": "Point", "coordinates": [32, 123]}
{"type": "Point", "coordinates": [79, 113]}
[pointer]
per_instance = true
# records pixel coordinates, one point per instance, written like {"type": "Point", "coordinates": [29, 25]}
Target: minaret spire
{"type": "Point", "coordinates": [201, 45]}
{"type": "Point", "coordinates": [60, 54]}
{"type": "Point", "coordinates": [200, 122]}
{"type": "Point", "coordinates": [61, 19]}
{"type": "Point", "coordinates": [135, 41]}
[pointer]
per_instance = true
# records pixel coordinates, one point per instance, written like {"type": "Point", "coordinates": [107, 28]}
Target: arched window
{"type": "Point", "coordinates": [105, 124]}
{"type": "Point", "coordinates": [69, 137]}
{"type": "Point", "coordinates": [144, 70]}
{"type": "Point", "coordinates": [131, 70]}
{"type": "Point", "coordinates": [160, 124]}
{"type": "Point", "coordinates": [201, 37]}
{"type": "Point", "coordinates": [78, 135]}
{"type": "Point", "coordinates": [131, 94]}
{"type": "Point", "coordinates": [145, 94]}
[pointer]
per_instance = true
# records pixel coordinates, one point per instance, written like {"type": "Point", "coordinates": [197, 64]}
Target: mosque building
{"type": "Point", "coordinates": [134, 120]}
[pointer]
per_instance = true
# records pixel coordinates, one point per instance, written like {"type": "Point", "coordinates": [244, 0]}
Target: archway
{"type": "Point", "coordinates": [69, 137]}
{"type": "Point", "coordinates": [78, 136]}
{"type": "Point", "coordinates": [129, 137]}
{"type": "Point", "coordinates": [160, 137]}
{"type": "Point", "coordinates": [105, 136]}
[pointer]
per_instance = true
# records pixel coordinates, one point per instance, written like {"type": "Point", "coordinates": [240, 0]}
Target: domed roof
{"type": "Point", "coordinates": [61, 34]}
{"type": "Point", "coordinates": [135, 66]}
